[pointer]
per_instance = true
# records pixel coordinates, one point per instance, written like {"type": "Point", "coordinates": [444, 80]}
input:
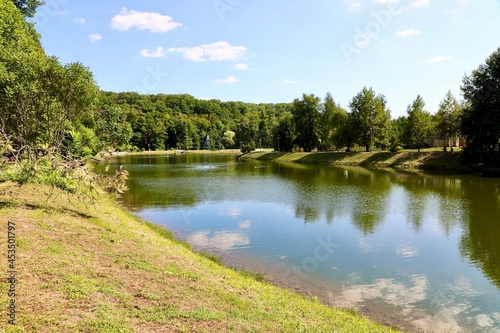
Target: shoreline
{"type": "Point", "coordinates": [428, 161]}
{"type": "Point", "coordinates": [406, 161]}
{"type": "Point", "coordinates": [99, 267]}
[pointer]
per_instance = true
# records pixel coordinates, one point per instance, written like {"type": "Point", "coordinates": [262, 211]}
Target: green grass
{"type": "Point", "coordinates": [425, 160]}
{"type": "Point", "coordinates": [100, 269]}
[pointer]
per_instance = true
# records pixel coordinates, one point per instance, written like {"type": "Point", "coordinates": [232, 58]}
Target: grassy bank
{"type": "Point", "coordinates": [405, 160]}
{"type": "Point", "coordinates": [98, 268]}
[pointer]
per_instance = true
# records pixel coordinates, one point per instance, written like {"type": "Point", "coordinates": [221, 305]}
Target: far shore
{"type": "Point", "coordinates": [168, 152]}
{"type": "Point", "coordinates": [428, 160]}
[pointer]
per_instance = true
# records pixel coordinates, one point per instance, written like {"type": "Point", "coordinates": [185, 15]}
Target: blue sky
{"type": "Point", "coordinates": [275, 50]}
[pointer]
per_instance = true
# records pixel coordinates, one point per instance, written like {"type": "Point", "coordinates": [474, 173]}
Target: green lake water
{"type": "Point", "coordinates": [417, 251]}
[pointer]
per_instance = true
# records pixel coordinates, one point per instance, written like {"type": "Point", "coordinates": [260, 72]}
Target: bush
{"type": "Point", "coordinates": [248, 147]}
{"type": "Point", "coordinates": [395, 148]}
{"type": "Point", "coordinates": [70, 175]}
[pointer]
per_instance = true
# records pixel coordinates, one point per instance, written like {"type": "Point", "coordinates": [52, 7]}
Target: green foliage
{"type": "Point", "coordinates": [284, 133]}
{"type": "Point", "coordinates": [260, 277]}
{"type": "Point", "coordinates": [27, 7]}
{"type": "Point", "coordinates": [212, 258]}
{"type": "Point", "coordinates": [185, 134]}
{"type": "Point", "coordinates": [113, 128]}
{"type": "Point", "coordinates": [306, 117]}
{"type": "Point", "coordinates": [481, 119]}
{"type": "Point", "coordinates": [81, 142]}
{"type": "Point", "coordinates": [419, 125]}
{"type": "Point", "coordinates": [448, 119]}
{"type": "Point", "coordinates": [248, 147]}
{"type": "Point", "coordinates": [371, 117]}
{"type": "Point", "coordinates": [53, 170]}
{"type": "Point", "coordinates": [15, 33]}
{"type": "Point", "coordinates": [333, 119]}
{"type": "Point", "coordinates": [228, 139]}
{"type": "Point", "coordinates": [39, 98]}
{"type": "Point", "coordinates": [181, 121]}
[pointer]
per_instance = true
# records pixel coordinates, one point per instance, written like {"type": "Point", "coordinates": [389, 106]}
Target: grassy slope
{"type": "Point", "coordinates": [100, 269]}
{"type": "Point", "coordinates": [407, 160]}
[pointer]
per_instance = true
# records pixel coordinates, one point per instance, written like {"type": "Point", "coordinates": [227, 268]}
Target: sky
{"type": "Point", "coordinates": [273, 51]}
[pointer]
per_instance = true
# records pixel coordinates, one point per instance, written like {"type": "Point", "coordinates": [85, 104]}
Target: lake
{"type": "Point", "coordinates": [417, 251]}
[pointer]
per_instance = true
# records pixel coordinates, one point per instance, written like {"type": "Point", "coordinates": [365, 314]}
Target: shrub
{"type": "Point", "coordinates": [248, 147]}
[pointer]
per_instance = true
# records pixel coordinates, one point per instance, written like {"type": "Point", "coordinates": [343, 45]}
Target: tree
{"type": "Point", "coordinates": [349, 131]}
{"type": "Point", "coordinates": [40, 99]}
{"type": "Point", "coordinates": [481, 118]}
{"type": "Point", "coordinates": [331, 119]}
{"type": "Point", "coordinates": [228, 139]}
{"type": "Point", "coordinates": [397, 137]}
{"type": "Point", "coordinates": [383, 125]}
{"type": "Point", "coordinates": [113, 128]}
{"type": "Point", "coordinates": [338, 123]}
{"type": "Point", "coordinates": [419, 122]}
{"type": "Point", "coordinates": [370, 114]}
{"type": "Point", "coordinates": [27, 7]}
{"type": "Point", "coordinates": [284, 133]}
{"type": "Point", "coordinates": [306, 118]}
{"type": "Point", "coordinates": [448, 119]}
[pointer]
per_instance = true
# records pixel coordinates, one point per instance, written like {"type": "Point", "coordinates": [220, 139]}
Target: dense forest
{"type": "Point", "coordinates": [133, 121]}
{"type": "Point", "coordinates": [49, 106]}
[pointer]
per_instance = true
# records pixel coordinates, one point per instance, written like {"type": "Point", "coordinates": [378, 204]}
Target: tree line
{"type": "Point", "coordinates": [46, 105]}
{"type": "Point", "coordinates": [156, 122]}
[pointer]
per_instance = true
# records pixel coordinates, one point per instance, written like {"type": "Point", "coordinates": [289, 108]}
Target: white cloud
{"type": "Point", "coordinates": [364, 39]}
{"type": "Point", "coordinates": [151, 21]}
{"type": "Point", "coordinates": [439, 59]}
{"type": "Point", "coordinates": [420, 3]}
{"type": "Point", "coordinates": [247, 224]}
{"type": "Point", "coordinates": [218, 51]}
{"type": "Point", "coordinates": [158, 53]}
{"type": "Point", "coordinates": [228, 80]}
{"type": "Point", "coordinates": [407, 251]}
{"type": "Point", "coordinates": [95, 37]}
{"type": "Point", "coordinates": [241, 67]}
{"type": "Point", "coordinates": [288, 81]}
{"type": "Point", "coordinates": [79, 20]}
{"type": "Point", "coordinates": [233, 212]}
{"type": "Point", "coordinates": [222, 240]}
{"type": "Point", "coordinates": [352, 6]}
{"type": "Point", "coordinates": [385, 2]}
{"type": "Point", "coordinates": [408, 32]}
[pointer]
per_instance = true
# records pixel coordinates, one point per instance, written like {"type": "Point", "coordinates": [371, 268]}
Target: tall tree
{"type": "Point", "coordinates": [348, 132]}
{"type": "Point", "coordinates": [284, 133]}
{"type": "Point", "coordinates": [419, 122]}
{"type": "Point", "coordinates": [448, 119]}
{"type": "Point", "coordinates": [383, 125]}
{"type": "Point", "coordinates": [40, 99]}
{"type": "Point", "coordinates": [370, 115]}
{"type": "Point", "coordinates": [331, 119]}
{"type": "Point", "coordinates": [481, 119]}
{"type": "Point", "coordinates": [306, 119]}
